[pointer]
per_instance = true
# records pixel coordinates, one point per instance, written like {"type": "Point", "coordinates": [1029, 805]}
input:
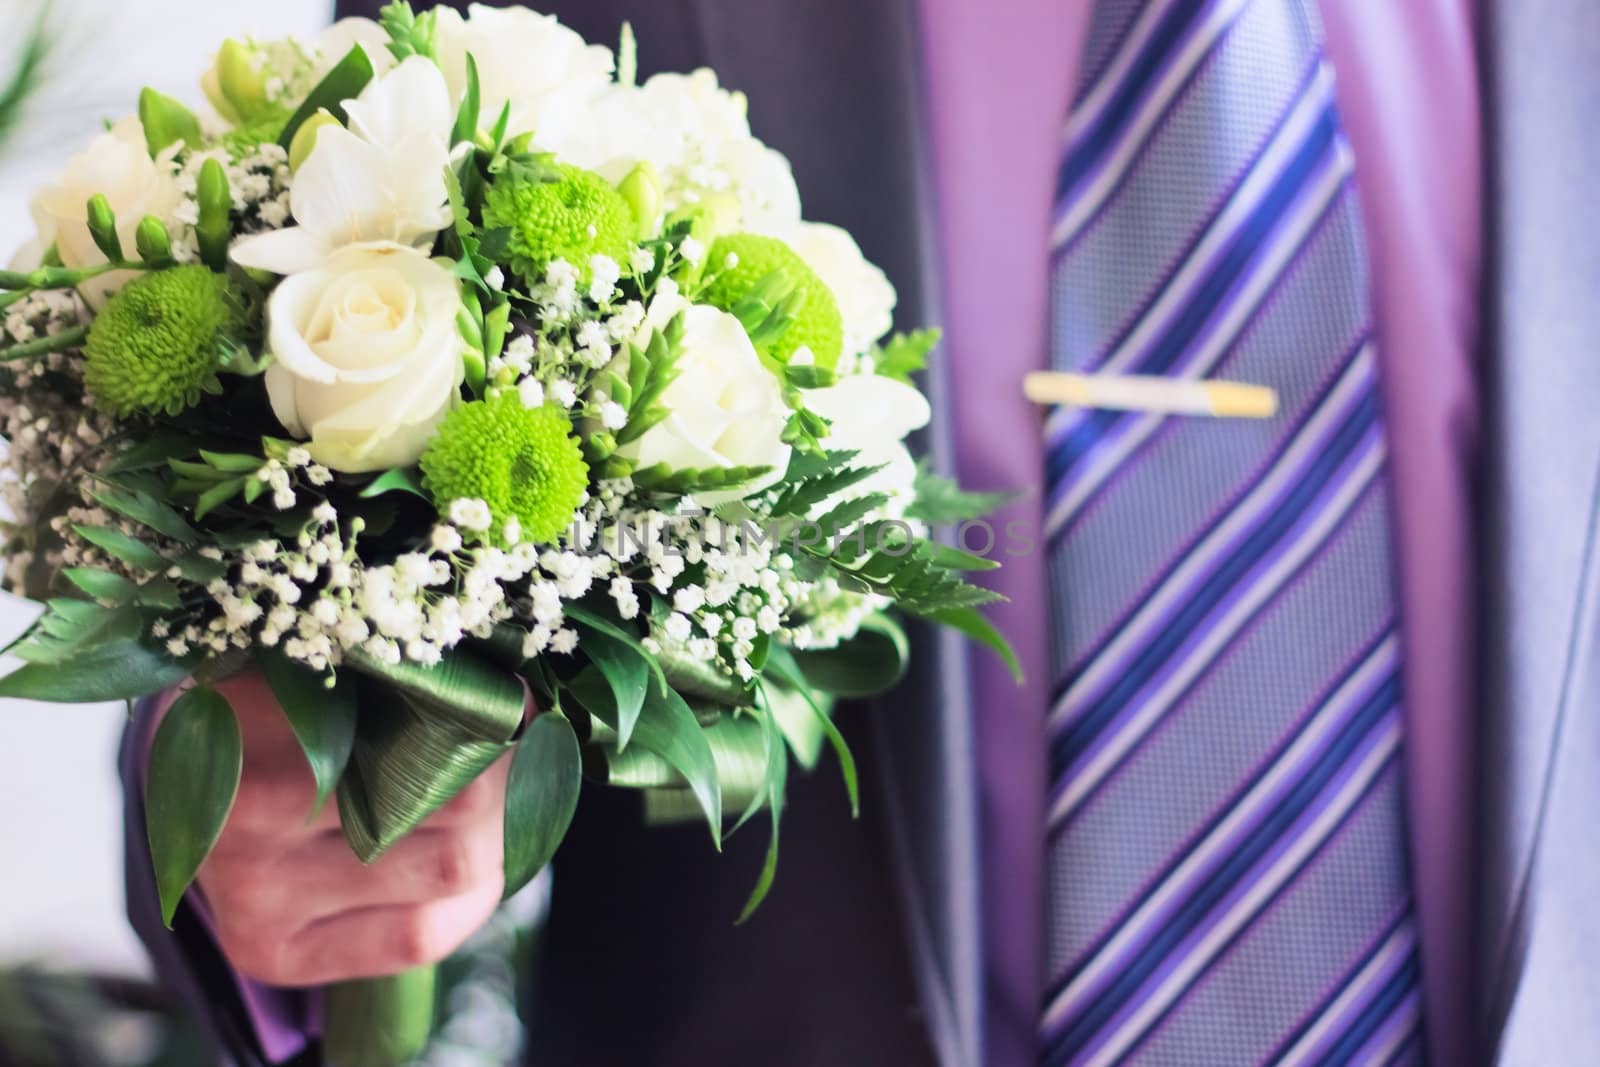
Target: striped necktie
{"type": "Point", "coordinates": [1226, 867]}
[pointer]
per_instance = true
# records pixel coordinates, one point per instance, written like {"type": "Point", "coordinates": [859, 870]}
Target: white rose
{"type": "Point", "coordinates": [725, 407]}
{"type": "Point", "coordinates": [542, 68]}
{"type": "Point", "coordinates": [865, 297]}
{"type": "Point", "coordinates": [367, 360]}
{"type": "Point", "coordinates": [871, 415]}
{"type": "Point", "coordinates": [380, 180]}
{"type": "Point", "coordinates": [117, 164]}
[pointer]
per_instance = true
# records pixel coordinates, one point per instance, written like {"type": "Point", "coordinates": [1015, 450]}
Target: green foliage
{"type": "Point", "coordinates": [940, 500]}
{"type": "Point", "coordinates": [668, 728]}
{"type": "Point", "coordinates": [651, 370]}
{"type": "Point", "coordinates": [541, 796]}
{"type": "Point", "coordinates": [154, 348]}
{"type": "Point", "coordinates": [774, 786]}
{"type": "Point", "coordinates": [410, 34]}
{"type": "Point", "coordinates": [905, 354]}
{"type": "Point", "coordinates": [27, 75]}
{"type": "Point", "coordinates": [659, 478]}
{"type": "Point", "coordinates": [626, 669]}
{"type": "Point", "coordinates": [322, 716]}
{"type": "Point", "coordinates": [813, 481]}
{"type": "Point", "coordinates": [869, 664]}
{"type": "Point", "coordinates": [524, 463]}
{"type": "Point", "coordinates": [191, 782]}
{"type": "Point", "coordinates": [109, 668]}
{"type": "Point", "coordinates": [781, 665]}
{"type": "Point", "coordinates": [344, 82]}
{"type": "Point", "coordinates": [971, 622]}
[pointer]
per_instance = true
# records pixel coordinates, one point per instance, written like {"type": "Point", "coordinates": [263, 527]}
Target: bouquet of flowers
{"type": "Point", "coordinates": [485, 400]}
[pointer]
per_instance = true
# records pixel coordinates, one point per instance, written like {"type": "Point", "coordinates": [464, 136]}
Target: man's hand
{"type": "Point", "coordinates": [293, 905]}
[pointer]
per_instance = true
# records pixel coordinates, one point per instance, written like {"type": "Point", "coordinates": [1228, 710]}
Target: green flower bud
{"type": "Point", "coordinates": [152, 241]}
{"type": "Point", "coordinates": [214, 228]}
{"type": "Point", "coordinates": [155, 346]}
{"type": "Point", "coordinates": [642, 190]}
{"type": "Point", "coordinates": [239, 83]}
{"type": "Point", "coordinates": [103, 227]}
{"type": "Point", "coordinates": [524, 463]}
{"type": "Point", "coordinates": [165, 122]}
{"type": "Point", "coordinates": [305, 138]}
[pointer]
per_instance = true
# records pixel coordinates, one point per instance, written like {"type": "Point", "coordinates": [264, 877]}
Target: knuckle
{"type": "Point", "coordinates": [453, 871]}
{"type": "Point", "coordinates": [420, 938]}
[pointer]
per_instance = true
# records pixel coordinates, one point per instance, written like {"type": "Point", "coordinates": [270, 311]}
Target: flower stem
{"type": "Point", "coordinates": [59, 277]}
{"type": "Point", "coordinates": [379, 1022]}
{"type": "Point", "coordinates": [59, 342]}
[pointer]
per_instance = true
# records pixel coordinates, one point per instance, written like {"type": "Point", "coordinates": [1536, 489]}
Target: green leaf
{"type": "Point", "coordinates": [940, 501]}
{"type": "Point", "coordinates": [870, 663]}
{"type": "Point", "coordinates": [780, 665]}
{"type": "Point", "coordinates": [668, 728]}
{"type": "Point", "coordinates": [102, 585]}
{"type": "Point", "coordinates": [153, 451]}
{"type": "Point", "coordinates": [466, 128]}
{"type": "Point", "coordinates": [541, 796]}
{"type": "Point", "coordinates": [578, 613]}
{"type": "Point", "coordinates": [626, 671]}
{"type": "Point", "coordinates": [192, 779]}
{"type": "Point", "coordinates": [905, 354]}
{"type": "Point", "coordinates": [972, 622]}
{"type": "Point", "coordinates": [119, 545]}
{"type": "Point", "coordinates": [123, 669]}
{"type": "Point", "coordinates": [777, 780]}
{"type": "Point", "coordinates": [233, 462]}
{"type": "Point", "coordinates": [166, 122]}
{"type": "Point", "coordinates": [323, 719]}
{"type": "Point", "coordinates": [68, 627]}
{"type": "Point", "coordinates": [145, 510]}
{"type": "Point", "coordinates": [397, 480]}
{"type": "Point", "coordinates": [344, 82]}
{"type": "Point", "coordinates": [217, 495]}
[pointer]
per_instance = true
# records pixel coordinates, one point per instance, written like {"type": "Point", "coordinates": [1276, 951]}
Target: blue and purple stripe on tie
{"type": "Point", "coordinates": [1181, 266]}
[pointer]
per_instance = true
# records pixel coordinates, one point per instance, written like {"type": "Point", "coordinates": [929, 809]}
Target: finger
{"type": "Point", "coordinates": [321, 877]}
{"type": "Point", "coordinates": [384, 940]}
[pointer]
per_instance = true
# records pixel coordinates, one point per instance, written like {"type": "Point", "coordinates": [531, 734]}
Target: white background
{"type": "Point", "coordinates": [61, 897]}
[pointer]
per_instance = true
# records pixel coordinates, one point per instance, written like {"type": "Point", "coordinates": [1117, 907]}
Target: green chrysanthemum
{"type": "Point", "coordinates": [573, 218]}
{"type": "Point", "coordinates": [817, 322]}
{"type": "Point", "coordinates": [524, 463]}
{"type": "Point", "coordinates": [155, 346]}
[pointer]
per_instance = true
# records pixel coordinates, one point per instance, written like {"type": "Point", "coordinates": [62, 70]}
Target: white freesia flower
{"type": "Point", "coordinates": [871, 415]}
{"type": "Point", "coordinates": [725, 407]}
{"type": "Point", "coordinates": [335, 42]}
{"type": "Point", "coordinates": [380, 180]}
{"type": "Point", "coordinates": [543, 69]}
{"type": "Point", "coordinates": [367, 359]}
{"type": "Point", "coordinates": [697, 135]}
{"type": "Point", "coordinates": [117, 164]}
{"type": "Point", "coordinates": [865, 297]}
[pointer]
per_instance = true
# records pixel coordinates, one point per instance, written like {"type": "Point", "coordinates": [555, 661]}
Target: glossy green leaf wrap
{"type": "Point", "coordinates": [193, 776]}
{"type": "Point", "coordinates": [424, 734]}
